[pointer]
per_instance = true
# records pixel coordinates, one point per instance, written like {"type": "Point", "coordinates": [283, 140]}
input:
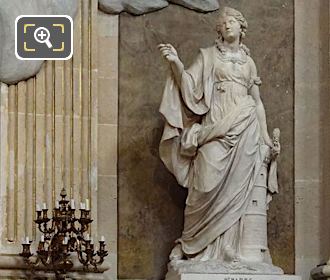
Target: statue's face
{"type": "Point", "coordinates": [230, 28]}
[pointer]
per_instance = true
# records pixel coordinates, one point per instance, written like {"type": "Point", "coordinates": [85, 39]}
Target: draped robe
{"type": "Point", "coordinates": [211, 143]}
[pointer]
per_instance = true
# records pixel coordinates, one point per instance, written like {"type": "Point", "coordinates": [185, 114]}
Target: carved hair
{"type": "Point", "coordinates": [226, 11]}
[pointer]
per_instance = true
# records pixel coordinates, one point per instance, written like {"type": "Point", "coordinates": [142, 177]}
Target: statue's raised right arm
{"type": "Point", "coordinates": [171, 55]}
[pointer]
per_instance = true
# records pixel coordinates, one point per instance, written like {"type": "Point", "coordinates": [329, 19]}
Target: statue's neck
{"type": "Point", "coordinates": [232, 46]}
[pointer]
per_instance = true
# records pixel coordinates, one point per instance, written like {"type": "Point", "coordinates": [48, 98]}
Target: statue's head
{"type": "Point", "coordinates": [231, 23]}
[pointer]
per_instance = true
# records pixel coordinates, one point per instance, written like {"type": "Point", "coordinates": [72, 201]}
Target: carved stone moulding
{"type": "Point", "coordinates": [137, 7]}
{"type": "Point", "coordinates": [132, 7]}
{"type": "Point", "coordinates": [197, 5]}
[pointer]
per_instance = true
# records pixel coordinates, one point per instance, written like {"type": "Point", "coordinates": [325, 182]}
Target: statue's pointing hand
{"type": "Point", "coordinates": [168, 52]}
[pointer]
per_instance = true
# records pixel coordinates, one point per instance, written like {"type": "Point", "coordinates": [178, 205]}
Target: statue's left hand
{"type": "Point", "coordinates": [275, 150]}
{"type": "Point", "coordinates": [276, 147]}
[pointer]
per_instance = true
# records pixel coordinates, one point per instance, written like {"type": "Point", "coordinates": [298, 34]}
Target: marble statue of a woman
{"type": "Point", "coordinates": [215, 140]}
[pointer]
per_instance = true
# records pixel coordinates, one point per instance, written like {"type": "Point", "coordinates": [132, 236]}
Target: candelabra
{"type": "Point", "coordinates": [62, 235]}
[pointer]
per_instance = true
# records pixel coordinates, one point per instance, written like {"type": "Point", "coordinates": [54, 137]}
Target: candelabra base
{"type": "Point", "coordinates": [24, 274]}
{"type": "Point", "coordinates": [13, 267]}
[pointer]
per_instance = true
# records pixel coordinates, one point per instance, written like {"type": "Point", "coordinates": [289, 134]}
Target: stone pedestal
{"type": "Point", "coordinates": [204, 276]}
{"type": "Point", "coordinates": [216, 270]}
{"type": "Point", "coordinates": [13, 267]}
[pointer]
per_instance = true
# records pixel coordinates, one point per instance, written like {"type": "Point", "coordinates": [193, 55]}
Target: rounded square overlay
{"type": "Point", "coordinates": [39, 37]}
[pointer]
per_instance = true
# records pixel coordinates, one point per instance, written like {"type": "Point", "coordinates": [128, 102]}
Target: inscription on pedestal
{"type": "Point", "coordinates": [238, 278]}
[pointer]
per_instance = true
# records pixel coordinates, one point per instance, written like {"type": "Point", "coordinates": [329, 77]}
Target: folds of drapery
{"type": "Point", "coordinates": [219, 171]}
{"type": "Point", "coordinates": [222, 176]}
{"type": "Point", "coordinates": [183, 108]}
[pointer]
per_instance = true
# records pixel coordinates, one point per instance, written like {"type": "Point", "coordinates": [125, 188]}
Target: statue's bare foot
{"type": "Point", "coordinates": [231, 255]}
{"type": "Point", "coordinates": [176, 253]}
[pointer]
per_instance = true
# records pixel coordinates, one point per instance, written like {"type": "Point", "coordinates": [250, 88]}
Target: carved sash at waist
{"type": "Point", "coordinates": [221, 85]}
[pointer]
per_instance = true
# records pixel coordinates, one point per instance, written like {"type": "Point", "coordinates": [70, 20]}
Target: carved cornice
{"type": "Point", "coordinates": [147, 6]}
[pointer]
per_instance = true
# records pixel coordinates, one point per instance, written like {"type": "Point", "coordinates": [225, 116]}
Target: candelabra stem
{"type": "Point", "coordinates": [60, 276]}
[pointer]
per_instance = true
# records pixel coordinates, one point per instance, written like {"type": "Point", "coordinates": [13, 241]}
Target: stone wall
{"type": "Point", "coordinates": [107, 134]}
{"type": "Point", "coordinates": [312, 132]}
{"type": "Point", "coordinates": [150, 201]}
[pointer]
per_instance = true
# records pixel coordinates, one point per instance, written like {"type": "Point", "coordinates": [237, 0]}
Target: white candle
{"type": "Point", "coordinates": [83, 206]}
{"type": "Point", "coordinates": [44, 206]}
{"type": "Point", "coordinates": [42, 239]}
{"type": "Point", "coordinates": [23, 240]}
{"type": "Point", "coordinates": [27, 241]}
{"type": "Point", "coordinates": [102, 238]}
{"type": "Point", "coordinates": [87, 204]}
{"type": "Point", "coordinates": [57, 204]}
{"type": "Point", "coordinates": [92, 240]}
{"type": "Point", "coordinates": [87, 236]}
{"type": "Point", "coordinates": [65, 240]}
{"type": "Point", "coordinates": [38, 207]}
{"type": "Point", "coordinates": [72, 204]}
